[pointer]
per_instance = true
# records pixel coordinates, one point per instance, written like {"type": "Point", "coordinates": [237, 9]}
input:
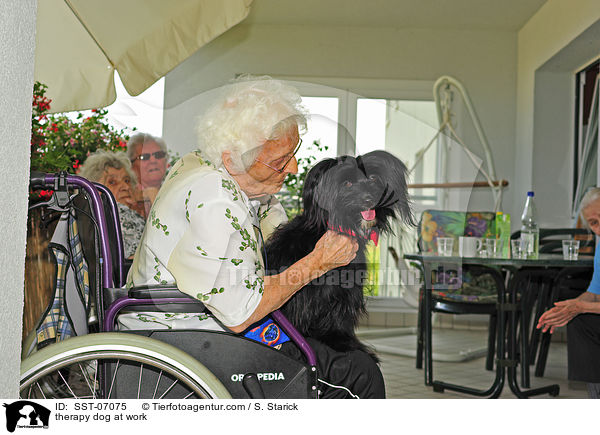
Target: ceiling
{"type": "Point", "coordinates": [501, 15]}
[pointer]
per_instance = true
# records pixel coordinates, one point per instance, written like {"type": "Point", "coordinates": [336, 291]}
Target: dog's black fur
{"type": "Point", "coordinates": [336, 191]}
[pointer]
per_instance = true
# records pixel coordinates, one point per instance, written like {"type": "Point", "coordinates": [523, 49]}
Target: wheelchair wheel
{"type": "Point", "coordinates": [28, 346]}
{"type": "Point", "coordinates": [116, 365]}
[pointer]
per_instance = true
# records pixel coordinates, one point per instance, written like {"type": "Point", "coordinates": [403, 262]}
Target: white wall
{"type": "Point", "coordinates": [561, 38]}
{"type": "Point", "coordinates": [17, 42]}
{"type": "Point", "coordinates": [485, 61]}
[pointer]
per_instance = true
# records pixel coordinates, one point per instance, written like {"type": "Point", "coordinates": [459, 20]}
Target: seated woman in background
{"type": "Point", "coordinates": [149, 159]}
{"type": "Point", "coordinates": [582, 314]}
{"type": "Point", "coordinates": [114, 171]}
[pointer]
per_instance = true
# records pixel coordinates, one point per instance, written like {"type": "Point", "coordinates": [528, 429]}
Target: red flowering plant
{"type": "Point", "coordinates": [59, 143]}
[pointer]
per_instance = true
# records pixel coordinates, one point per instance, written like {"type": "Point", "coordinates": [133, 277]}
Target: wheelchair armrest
{"type": "Point", "coordinates": [164, 298]}
{"type": "Point", "coordinates": [147, 298]}
{"type": "Point", "coordinates": [111, 295]}
{"type": "Point", "coordinates": [155, 292]}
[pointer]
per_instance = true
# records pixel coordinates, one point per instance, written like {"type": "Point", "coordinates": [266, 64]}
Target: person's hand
{"type": "Point", "coordinates": [559, 315]}
{"type": "Point", "coordinates": [334, 250]}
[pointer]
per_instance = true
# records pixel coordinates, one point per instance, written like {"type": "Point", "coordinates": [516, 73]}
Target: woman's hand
{"type": "Point", "coordinates": [559, 315]}
{"type": "Point", "coordinates": [333, 250]}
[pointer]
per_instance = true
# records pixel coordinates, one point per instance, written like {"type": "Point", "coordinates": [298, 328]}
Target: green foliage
{"type": "Point", "coordinates": [61, 144]}
{"type": "Point", "coordinates": [290, 195]}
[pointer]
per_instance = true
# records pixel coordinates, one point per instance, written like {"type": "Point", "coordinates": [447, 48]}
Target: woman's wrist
{"type": "Point", "coordinates": [314, 264]}
{"type": "Point", "coordinates": [588, 307]}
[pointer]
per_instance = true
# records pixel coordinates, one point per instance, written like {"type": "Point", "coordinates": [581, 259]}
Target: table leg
{"type": "Point", "coordinates": [512, 361]}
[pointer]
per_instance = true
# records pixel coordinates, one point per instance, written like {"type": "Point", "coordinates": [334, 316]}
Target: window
{"type": "Point", "coordinates": [357, 116]}
{"type": "Point", "coordinates": [396, 116]}
{"type": "Point", "coordinates": [322, 127]}
{"type": "Point", "coordinates": [403, 128]}
{"type": "Point", "coordinates": [585, 173]}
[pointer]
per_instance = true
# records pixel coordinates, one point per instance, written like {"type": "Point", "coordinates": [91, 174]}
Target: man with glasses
{"type": "Point", "coordinates": [149, 159]}
{"type": "Point", "coordinates": [207, 227]}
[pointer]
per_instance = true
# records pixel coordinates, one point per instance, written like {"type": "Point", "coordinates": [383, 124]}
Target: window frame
{"type": "Point", "coordinates": [348, 91]}
{"type": "Point", "coordinates": [579, 116]}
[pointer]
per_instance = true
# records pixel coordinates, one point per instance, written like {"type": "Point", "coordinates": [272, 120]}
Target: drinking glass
{"type": "Point", "coordinates": [493, 247]}
{"type": "Point", "coordinates": [570, 249]}
{"type": "Point", "coordinates": [518, 248]}
{"type": "Point", "coordinates": [445, 245]}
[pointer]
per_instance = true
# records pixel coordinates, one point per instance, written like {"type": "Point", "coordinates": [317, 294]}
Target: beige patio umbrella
{"type": "Point", "coordinates": [80, 43]}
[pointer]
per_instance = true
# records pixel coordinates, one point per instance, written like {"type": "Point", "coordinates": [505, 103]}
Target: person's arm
{"type": "Point", "coordinates": [331, 251]}
{"type": "Point", "coordinates": [564, 311]}
{"type": "Point", "coordinates": [216, 259]}
{"type": "Point", "coordinates": [587, 302]}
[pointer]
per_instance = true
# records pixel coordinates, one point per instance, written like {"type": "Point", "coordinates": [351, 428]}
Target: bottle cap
{"type": "Point", "coordinates": [530, 193]}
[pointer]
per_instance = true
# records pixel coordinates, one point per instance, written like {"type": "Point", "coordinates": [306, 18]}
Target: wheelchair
{"type": "Point", "coordinates": [75, 351]}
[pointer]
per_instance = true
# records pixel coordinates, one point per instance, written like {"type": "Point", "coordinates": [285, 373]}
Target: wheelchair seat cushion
{"type": "Point", "coordinates": [140, 320]}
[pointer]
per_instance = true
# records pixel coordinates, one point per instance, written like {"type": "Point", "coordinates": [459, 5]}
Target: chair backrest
{"type": "Point", "coordinates": [442, 223]}
{"type": "Point", "coordinates": [551, 239]}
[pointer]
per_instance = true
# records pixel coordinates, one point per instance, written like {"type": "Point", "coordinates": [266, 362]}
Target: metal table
{"type": "Point", "coordinates": [506, 356]}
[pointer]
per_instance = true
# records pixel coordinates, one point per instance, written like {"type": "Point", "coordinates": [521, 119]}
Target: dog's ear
{"type": "Point", "coordinates": [310, 193]}
{"type": "Point", "coordinates": [313, 178]}
{"type": "Point", "coordinates": [393, 173]}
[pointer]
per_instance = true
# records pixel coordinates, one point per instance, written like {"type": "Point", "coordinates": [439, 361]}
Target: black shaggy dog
{"type": "Point", "coordinates": [355, 196]}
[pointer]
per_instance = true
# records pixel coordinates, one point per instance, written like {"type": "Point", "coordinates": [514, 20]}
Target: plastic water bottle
{"type": "Point", "coordinates": [530, 232]}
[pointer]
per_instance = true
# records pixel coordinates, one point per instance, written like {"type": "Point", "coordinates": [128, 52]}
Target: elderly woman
{"type": "Point", "coordinates": [114, 171]}
{"type": "Point", "coordinates": [205, 230]}
{"type": "Point", "coordinates": [149, 158]}
{"type": "Point", "coordinates": [581, 313]}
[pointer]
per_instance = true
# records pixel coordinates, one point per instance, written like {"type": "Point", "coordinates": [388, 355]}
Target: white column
{"type": "Point", "coordinates": [17, 45]}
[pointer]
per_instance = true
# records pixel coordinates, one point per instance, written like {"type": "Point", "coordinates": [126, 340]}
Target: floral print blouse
{"type": "Point", "coordinates": [132, 227]}
{"type": "Point", "coordinates": [202, 235]}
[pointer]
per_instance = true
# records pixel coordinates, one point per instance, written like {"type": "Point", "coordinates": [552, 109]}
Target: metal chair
{"type": "Point", "coordinates": [477, 288]}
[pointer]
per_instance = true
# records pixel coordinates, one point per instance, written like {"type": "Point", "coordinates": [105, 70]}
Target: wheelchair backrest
{"type": "Point", "coordinates": [79, 248]}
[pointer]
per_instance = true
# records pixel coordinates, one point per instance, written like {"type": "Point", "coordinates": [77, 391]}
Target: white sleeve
{"type": "Point", "coordinates": [216, 259]}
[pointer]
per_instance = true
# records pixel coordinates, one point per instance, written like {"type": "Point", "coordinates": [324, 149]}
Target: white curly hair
{"type": "Point", "coordinates": [590, 197]}
{"type": "Point", "coordinates": [250, 111]}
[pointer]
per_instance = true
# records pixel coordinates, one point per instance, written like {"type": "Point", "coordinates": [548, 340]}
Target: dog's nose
{"type": "Point", "coordinates": [369, 203]}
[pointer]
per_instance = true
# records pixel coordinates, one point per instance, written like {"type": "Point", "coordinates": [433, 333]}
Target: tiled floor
{"type": "Point", "coordinates": [404, 381]}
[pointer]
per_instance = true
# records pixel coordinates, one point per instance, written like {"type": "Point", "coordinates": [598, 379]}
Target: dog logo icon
{"type": "Point", "coordinates": [26, 414]}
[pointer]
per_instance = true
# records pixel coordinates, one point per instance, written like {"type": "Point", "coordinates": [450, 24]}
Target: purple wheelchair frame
{"type": "Point", "coordinates": [105, 260]}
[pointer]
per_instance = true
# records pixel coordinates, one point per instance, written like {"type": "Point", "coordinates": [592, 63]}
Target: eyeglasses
{"type": "Point", "coordinates": [280, 171]}
{"type": "Point", "coordinates": [146, 156]}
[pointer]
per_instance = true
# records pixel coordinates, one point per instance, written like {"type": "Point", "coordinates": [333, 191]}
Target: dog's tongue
{"type": "Point", "coordinates": [368, 215]}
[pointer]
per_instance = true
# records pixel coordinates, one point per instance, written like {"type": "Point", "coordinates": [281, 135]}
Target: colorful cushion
{"type": "Point", "coordinates": [461, 285]}
{"type": "Point", "coordinates": [466, 286]}
{"type": "Point", "coordinates": [440, 223]}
